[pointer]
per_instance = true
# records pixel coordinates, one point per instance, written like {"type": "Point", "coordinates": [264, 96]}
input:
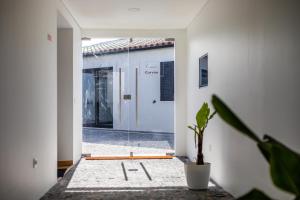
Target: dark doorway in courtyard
{"type": "Point", "coordinates": [128, 96]}
{"type": "Point", "coordinates": [98, 88]}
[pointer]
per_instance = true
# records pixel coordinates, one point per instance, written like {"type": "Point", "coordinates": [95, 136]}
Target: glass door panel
{"type": "Point", "coordinates": [105, 110]}
{"type": "Point", "coordinates": [151, 82]}
{"type": "Point", "coordinates": [128, 97]}
{"type": "Point", "coordinates": [88, 99]}
{"type": "Point", "coordinates": [117, 138]}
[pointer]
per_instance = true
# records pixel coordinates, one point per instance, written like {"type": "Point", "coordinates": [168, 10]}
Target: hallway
{"type": "Point", "coordinates": [162, 69]}
{"type": "Point", "coordinates": [129, 179]}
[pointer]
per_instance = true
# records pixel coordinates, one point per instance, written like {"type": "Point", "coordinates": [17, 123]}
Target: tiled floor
{"type": "Point", "coordinates": [101, 142]}
{"type": "Point", "coordinates": [129, 179]}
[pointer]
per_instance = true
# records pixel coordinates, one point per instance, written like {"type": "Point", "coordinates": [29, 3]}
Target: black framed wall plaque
{"type": "Point", "coordinates": [203, 71]}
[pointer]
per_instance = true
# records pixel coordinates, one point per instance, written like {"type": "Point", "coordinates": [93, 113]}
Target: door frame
{"type": "Point", "coordinates": [180, 99]}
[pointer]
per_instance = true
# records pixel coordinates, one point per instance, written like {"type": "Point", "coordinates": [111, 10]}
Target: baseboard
{"type": "Point", "coordinates": [64, 164]}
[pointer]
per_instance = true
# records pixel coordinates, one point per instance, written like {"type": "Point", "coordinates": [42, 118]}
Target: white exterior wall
{"type": "Point", "coordinates": [253, 65]}
{"type": "Point", "coordinates": [180, 72]}
{"type": "Point", "coordinates": [157, 117]}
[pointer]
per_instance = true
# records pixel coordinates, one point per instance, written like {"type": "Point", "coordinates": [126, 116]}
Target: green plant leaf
{"type": "Point", "coordinates": [266, 145]}
{"type": "Point", "coordinates": [265, 149]}
{"type": "Point", "coordinates": [272, 140]}
{"type": "Point", "coordinates": [212, 115]}
{"type": "Point", "coordinates": [228, 116]}
{"type": "Point", "coordinates": [285, 169]}
{"type": "Point", "coordinates": [255, 194]}
{"type": "Point", "coordinates": [194, 129]}
{"type": "Point", "coordinates": [190, 127]}
{"type": "Point", "coordinates": [202, 116]}
{"type": "Point", "coordinates": [284, 164]}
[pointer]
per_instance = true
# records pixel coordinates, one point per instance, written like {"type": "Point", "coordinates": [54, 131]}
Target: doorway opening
{"type": "Point", "coordinates": [128, 96]}
{"type": "Point", "coordinates": [64, 95]}
{"type": "Point", "coordinates": [98, 88]}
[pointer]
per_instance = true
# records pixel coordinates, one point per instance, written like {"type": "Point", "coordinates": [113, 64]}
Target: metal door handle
{"type": "Point", "coordinates": [120, 94]}
{"type": "Point", "coordinates": [127, 96]}
{"type": "Point", "coordinates": [136, 96]}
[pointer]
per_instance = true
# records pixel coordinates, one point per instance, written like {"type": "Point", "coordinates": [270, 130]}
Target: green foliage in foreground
{"type": "Point", "coordinates": [284, 162]}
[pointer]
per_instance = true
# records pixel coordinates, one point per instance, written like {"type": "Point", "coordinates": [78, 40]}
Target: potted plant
{"type": "Point", "coordinates": [197, 173]}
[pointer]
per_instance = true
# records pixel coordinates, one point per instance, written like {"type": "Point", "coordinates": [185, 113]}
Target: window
{"type": "Point", "coordinates": [203, 71]}
{"type": "Point", "coordinates": [167, 81]}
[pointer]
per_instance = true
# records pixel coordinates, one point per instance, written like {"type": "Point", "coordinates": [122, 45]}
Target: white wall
{"type": "Point", "coordinates": [65, 93]}
{"type": "Point", "coordinates": [28, 103]}
{"type": "Point", "coordinates": [253, 49]}
{"type": "Point", "coordinates": [157, 117]}
{"type": "Point", "coordinates": [180, 73]}
{"type": "Point", "coordinates": [76, 82]}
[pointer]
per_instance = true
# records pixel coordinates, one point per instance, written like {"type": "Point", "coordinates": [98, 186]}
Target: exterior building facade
{"type": "Point", "coordinates": [128, 84]}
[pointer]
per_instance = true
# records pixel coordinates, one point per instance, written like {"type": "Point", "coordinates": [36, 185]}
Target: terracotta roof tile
{"type": "Point", "coordinates": [122, 45]}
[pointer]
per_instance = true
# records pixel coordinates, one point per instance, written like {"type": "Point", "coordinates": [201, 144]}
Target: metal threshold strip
{"type": "Point", "coordinates": [130, 170]}
{"type": "Point", "coordinates": [128, 157]}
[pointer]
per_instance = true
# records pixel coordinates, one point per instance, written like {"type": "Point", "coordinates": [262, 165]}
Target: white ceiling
{"type": "Point", "coordinates": [153, 14]}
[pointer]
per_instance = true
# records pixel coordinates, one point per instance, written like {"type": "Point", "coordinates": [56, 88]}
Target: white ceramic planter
{"type": "Point", "coordinates": [197, 176]}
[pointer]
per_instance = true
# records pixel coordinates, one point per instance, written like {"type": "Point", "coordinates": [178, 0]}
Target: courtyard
{"type": "Point", "coordinates": [105, 142]}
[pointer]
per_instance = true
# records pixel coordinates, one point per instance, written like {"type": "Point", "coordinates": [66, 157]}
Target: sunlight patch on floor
{"type": "Point", "coordinates": [135, 174]}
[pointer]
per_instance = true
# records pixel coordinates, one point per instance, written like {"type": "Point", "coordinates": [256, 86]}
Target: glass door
{"type": "Point", "coordinates": [118, 137]}
{"type": "Point", "coordinates": [151, 86]}
{"type": "Point", "coordinates": [128, 97]}
{"type": "Point", "coordinates": [105, 97]}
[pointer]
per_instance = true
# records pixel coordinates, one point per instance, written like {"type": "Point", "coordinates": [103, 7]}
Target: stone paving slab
{"type": "Point", "coordinates": [105, 180]}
